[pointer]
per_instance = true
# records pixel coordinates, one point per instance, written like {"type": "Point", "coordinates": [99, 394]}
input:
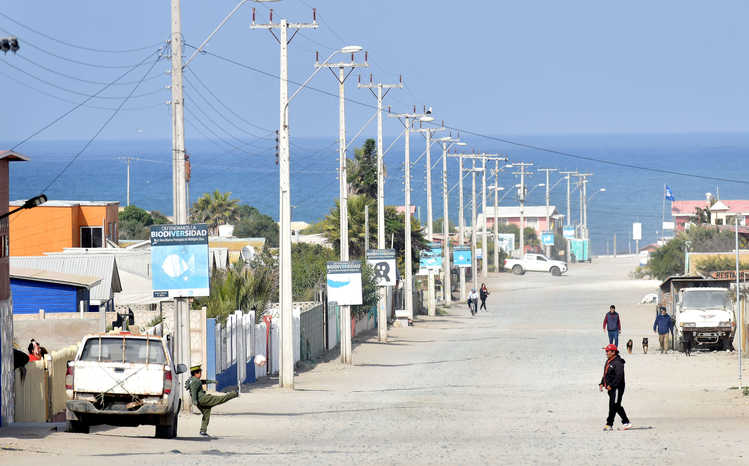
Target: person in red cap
{"type": "Point", "coordinates": [613, 382]}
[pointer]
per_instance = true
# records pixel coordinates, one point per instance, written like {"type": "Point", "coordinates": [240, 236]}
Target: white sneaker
{"type": "Point", "coordinates": [627, 426]}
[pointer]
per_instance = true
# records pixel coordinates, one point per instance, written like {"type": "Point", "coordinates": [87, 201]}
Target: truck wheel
{"type": "Point", "coordinates": [168, 430]}
{"type": "Point", "coordinates": [725, 343]}
{"type": "Point", "coordinates": [555, 271]}
{"type": "Point", "coordinates": [517, 270]}
{"type": "Point", "coordinates": [78, 427]}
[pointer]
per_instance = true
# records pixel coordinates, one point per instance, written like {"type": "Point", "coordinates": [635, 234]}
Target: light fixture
{"type": "Point", "coordinates": [29, 204]}
{"type": "Point", "coordinates": [352, 49]}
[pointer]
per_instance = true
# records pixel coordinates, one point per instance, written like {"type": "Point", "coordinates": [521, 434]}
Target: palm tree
{"type": "Point", "coordinates": [215, 209]}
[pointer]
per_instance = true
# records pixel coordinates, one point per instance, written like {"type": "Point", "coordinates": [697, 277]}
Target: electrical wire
{"type": "Point", "coordinates": [75, 78]}
{"type": "Point", "coordinates": [104, 125]}
{"type": "Point", "coordinates": [62, 99]}
{"type": "Point", "coordinates": [219, 138]}
{"type": "Point", "coordinates": [215, 124]}
{"type": "Point", "coordinates": [85, 101]}
{"type": "Point", "coordinates": [72, 91]}
{"type": "Point", "coordinates": [90, 49]}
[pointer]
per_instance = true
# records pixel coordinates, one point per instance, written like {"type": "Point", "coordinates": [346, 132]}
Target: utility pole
{"type": "Point", "coordinates": [366, 229]}
{"type": "Point", "coordinates": [474, 256]}
{"type": "Point", "coordinates": [182, 349]}
{"type": "Point", "coordinates": [568, 220]}
{"type": "Point", "coordinates": [446, 269]}
{"type": "Point", "coordinates": [521, 199]}
{"type": "Point", "coordinates": [495, 223]}
{"type": "Point", "coordinates": [548, 192]}
{"type": "Point", "coordinates": [462, 227]}
{"type": "Point", "coordinates": [406, 119]}
{"type": "Point", "coordinates": [128, 160]}
{"type": "Point", "coordinates": [583, 184]}
{"type": "Point", "coordinates": [286, 369]}
{"type": "Point", "coordinates": [343, 185]}
{"type": "Point", "coordinates": [382, 326]}
{"type": "Point", "coordinates": [431, 304]}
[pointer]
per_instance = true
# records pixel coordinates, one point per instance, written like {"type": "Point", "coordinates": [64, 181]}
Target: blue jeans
{"type": "Point", "coordinates": [614, 337]}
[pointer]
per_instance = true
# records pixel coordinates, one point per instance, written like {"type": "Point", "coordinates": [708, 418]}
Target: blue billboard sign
{"type": "Point", "coordinates": [547, 238]}
{"type": "Point", "coordinates": [179, 260]}
{"type": "Point", "coordinates": [569, 232]}
{"type": "Point", "coordinates": [462, 256]}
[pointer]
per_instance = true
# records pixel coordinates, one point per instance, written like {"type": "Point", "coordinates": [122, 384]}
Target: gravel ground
{"type": "Point", "coordinates": [515, 385]}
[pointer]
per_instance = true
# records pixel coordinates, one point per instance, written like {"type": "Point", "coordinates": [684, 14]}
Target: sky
{"type": "Point", "coordinates": [501, 67]}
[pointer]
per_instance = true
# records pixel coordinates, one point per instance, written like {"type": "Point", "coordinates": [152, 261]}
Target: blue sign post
{"type": "Point", "coordinates": [462, 256]}
{"type": "Point", "coordinates": [547, 238]}
{"type": "Point", "coordinates": [179, 260]}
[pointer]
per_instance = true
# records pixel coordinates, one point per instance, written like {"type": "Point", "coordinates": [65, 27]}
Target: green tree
{"type": "Point", "coordinates": [242, 287]}
{"type": "Point", "coordinates": [362, 171]}
{"type": "Point", "coordinates": [369, 291]}
{"type": "Point", "coordinates": [395, 228]}
{"type": "Point", "coordinates": [331, 225]}
{"type": "Point", "coordinates": [437, 226]}
{"type": "Point", "coordinates": [308, 268]}
{"type": "Point", "coordinates": [135, 223]}
{"type": "Point", "coordinates": [215, 209]}
{"type": "Point", "coordinates": [252, 223]}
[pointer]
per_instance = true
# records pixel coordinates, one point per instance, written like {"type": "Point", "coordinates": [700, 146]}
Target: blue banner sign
{"type": "Point", "coordinates": [462, 256]}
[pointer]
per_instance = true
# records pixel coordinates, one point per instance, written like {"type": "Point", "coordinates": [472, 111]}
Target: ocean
{"type": "Point", "coordinates": [630, 195]}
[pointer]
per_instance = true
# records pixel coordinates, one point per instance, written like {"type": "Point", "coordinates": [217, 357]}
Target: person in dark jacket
{"type": "Point", "coordinates": [662, 326]}
{"type": "Point", "coordinates": [613, 382]}
{"type": "Point", "coordinates": [483, 294]}
{"type": "Point", "coordinates": [613, 325]}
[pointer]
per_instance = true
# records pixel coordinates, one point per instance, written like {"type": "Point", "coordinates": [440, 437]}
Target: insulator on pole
{"type": "Point", "coordinates": [271, 15]}
{"type": "Point", "coordinates": [253, 15]}
{"type": "Point", "coordinates": [314, 15]}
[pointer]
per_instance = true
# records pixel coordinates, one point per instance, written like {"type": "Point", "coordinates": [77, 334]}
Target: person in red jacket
{"type": "Point", "coordinates": [613, 382]}
{"type": "Point", "coordinates": [613, 325]}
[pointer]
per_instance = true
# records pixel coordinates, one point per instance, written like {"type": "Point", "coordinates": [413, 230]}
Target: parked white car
{"type": "Point", "coordinates": [123, 379]}
{"type": "Point", "coordinates": [535, 263]}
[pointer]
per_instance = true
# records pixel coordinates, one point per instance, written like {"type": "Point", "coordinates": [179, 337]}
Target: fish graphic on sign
{"type": "Point", "coordinates": [337, 284]}
{"type": "Point", "coordinates": [174, 266]}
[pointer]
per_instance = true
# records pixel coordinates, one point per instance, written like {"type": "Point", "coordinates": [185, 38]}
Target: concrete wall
{"type": "Point", "coordinates": [6, 363]}
{"type": "Point", "coordinates": [55, 331]}
{"type": "Point", "coordinates": [40, 396]}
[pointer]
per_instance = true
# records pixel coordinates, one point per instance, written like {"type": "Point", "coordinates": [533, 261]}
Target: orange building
{"type": "Point", "coordinates": [56, 225]}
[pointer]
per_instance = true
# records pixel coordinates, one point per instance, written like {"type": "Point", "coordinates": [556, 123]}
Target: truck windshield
{"type": "Point", "coordinates": [118, 349]}
{"type": "Point", "coordinates": [705, 299]}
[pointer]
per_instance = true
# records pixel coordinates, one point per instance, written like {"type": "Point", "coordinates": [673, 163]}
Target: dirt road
{"type": "Point", "coordinates": [515, 385]}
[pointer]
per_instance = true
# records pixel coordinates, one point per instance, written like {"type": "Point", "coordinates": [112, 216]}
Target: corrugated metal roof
{"type": "Point", "coordinates": [54, 277]}
{"type": "Point", "coordinates": [104, 267]}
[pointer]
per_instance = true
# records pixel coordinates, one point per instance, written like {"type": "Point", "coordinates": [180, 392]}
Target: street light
{"type": "Point", "coordinates": [602, 190]}
{"type": "Point", "coordinates": [29, 204]}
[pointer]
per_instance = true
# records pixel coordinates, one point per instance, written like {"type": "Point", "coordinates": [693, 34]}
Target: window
{"type": "Point", "coordinates": [129, 350]}
{"type": "Point", "coordinates": [92, 237]}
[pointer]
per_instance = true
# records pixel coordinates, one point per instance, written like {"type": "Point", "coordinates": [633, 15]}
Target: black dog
{"type": "Point", "coordinates": [688, 343]}
{"type": "Point", "coordinates": [645, 345]}
{"type": "Point", "coordinates": [629, 346]}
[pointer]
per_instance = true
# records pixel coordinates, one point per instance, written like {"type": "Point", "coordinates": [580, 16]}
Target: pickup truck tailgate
{"type": "Point", "coordinates": [118, 378]}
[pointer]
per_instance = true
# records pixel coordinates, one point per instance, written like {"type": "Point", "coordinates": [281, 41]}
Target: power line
{"type": "Point", "coordinates": [72, 91]}
{"type": "Point", "coordinates": [90, 49]}
{"type": "Point", "coordinates": [101, 128]}
{"type": "Point", "coordinates": [219, 138]}
{"type": "Point", "coordinates": [26, 43]}
{"type": "Point", "coordinates": [62, 99]}
{"type": "Point", "coordinates": [75, 78]}
{"type": "Point", "coordinates": [85, 101]}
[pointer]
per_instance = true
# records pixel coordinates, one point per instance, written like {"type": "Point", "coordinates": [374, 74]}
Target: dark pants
{"type": "Point", "coordinates": [614, 337]}
{"type": "Point", "coordinates": [615, 406]}
{"type": "Point", "coordinates": [483, 304]}
{"type": "Point", "coordinates": [208, 401]}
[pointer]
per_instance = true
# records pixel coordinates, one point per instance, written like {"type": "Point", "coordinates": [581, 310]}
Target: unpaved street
{"type": "Point", "coordinates": [515, 385]}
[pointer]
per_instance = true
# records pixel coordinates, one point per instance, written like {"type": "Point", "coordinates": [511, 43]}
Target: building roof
{"type": "Point", "coordinates": [12, 156]}
{"type": "Point", "coordinates": [236, 244]}
{"type": "Point", "coordinates": [100, 266]}
{"type": "Point", "coordinates": [686, 208]}
{"type": "Point", "coordinates": [401, 209]}
{"type": "Point", "coordinates": [82, 281]}
{"type": "Point", "coordinates": [136, 290]}
{"type": "Point", "coordinates": [514, 211]}
{"type": "Point", "coordinates": [58, 203]}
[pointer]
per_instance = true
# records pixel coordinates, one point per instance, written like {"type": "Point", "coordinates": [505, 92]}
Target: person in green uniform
{"type": "Point", "coordinates": [202, 400]}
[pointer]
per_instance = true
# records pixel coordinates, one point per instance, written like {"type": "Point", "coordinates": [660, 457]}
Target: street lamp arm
{"type": "Point", "coordinates": [304, 84]}
{"type": "Point", "coordinates": [29, 204]}
{"type": "Point", "coordinates": [210, 36]}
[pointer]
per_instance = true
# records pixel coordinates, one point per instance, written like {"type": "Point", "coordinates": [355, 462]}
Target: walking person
{"type": "Point", "coordinates": [202, 400]}
{"type": "Point", "coordinates": [483, 293]}
{"type": "Point", "coordinates": [613, 382]}
{"type": "Point", "coordinates": [662, 326]}
{"type": "Point", "coordinates": [473, 303]}
{"type": "Point", "coordinates": [613, 325]}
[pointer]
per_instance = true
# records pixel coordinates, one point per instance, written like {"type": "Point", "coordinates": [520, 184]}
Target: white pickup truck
{"type": "Point", "coordinates": [535, 263]}
{"type": "Point", "coordinates": [123, 379]}
{"type": "Point", "coordinates": [704, 317]}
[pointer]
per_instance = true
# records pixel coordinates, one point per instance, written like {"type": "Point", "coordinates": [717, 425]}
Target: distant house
{"type": "Point", "coordinates": [535, 217]}
{"type": "Point", "coordinates": [722, 212]}
{"type": "Point", "coordinates": [54, 292]}
{"type": "Point", "coordinates": [57, 225]}
{"type": "Point", "coordinates": [102, 267]}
